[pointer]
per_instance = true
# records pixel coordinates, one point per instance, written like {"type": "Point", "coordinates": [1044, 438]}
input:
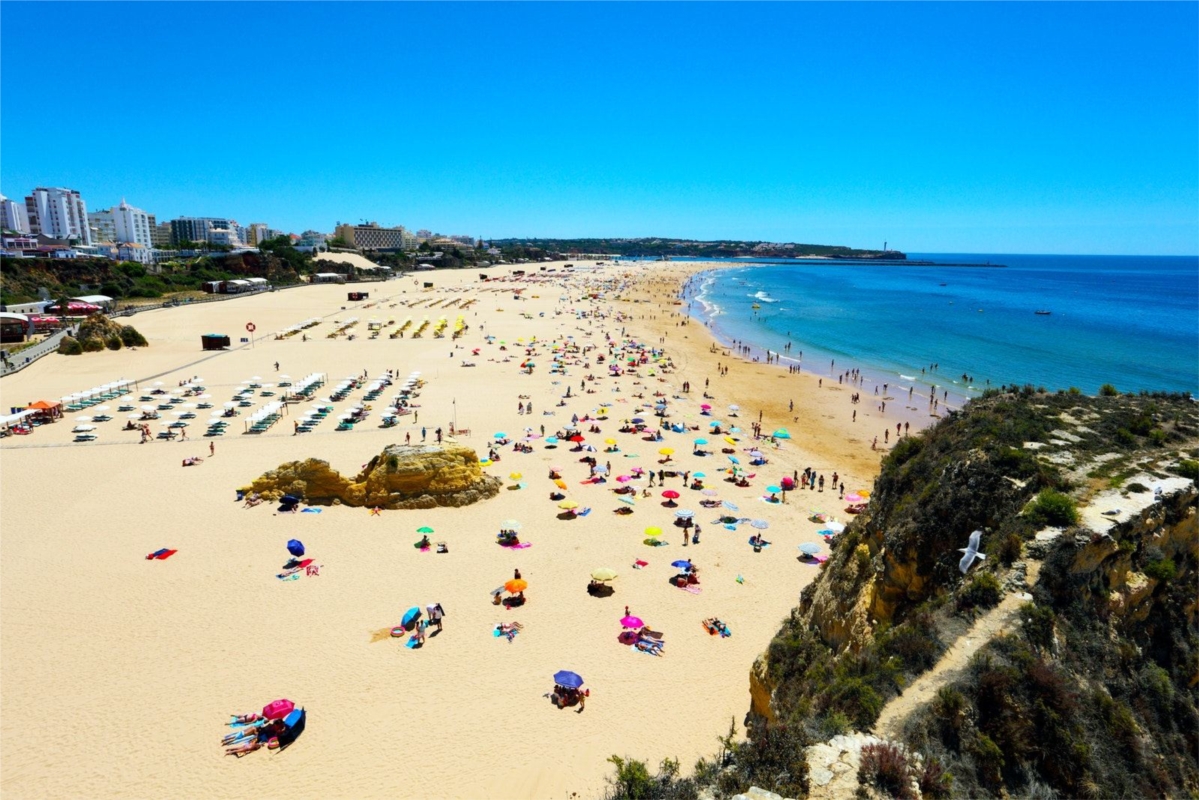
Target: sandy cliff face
{"type": "Point", "coordinates": [402, 476]}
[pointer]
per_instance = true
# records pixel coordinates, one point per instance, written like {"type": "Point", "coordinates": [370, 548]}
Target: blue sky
{"type": "Point", "coordinates": [1031, 127]}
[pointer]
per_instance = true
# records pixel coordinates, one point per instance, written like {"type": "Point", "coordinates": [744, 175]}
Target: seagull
{"type": "Point", "coordinates": [971, 551]}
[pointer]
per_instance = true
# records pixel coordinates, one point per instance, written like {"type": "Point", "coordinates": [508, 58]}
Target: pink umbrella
{"type": "Point", "coordinates": [705, 406]}
{"type": "Point", "coordinates": [632, 622]}
{"type": "Point", "coordinates": [278, 709]}
{"type": "Point", "coordinates": [854, 498]}
{"type": "Point", "coordinates": [670, 494]}
{"type": "Point", "coordinates": [624, 478]}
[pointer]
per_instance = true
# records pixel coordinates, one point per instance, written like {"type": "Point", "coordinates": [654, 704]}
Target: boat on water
{"type": "Point", "coordinates": [945, 284]}
{"type": "Point", "coordinates": [1042, 313]}
{"type": "Point", "coordinates": [755, 305]}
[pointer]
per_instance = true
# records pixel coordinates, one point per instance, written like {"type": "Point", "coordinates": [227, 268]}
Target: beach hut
{"type": "Point", "coordinates": [214, 341]}
{"type": "Point", "coordinates": [46, 410]}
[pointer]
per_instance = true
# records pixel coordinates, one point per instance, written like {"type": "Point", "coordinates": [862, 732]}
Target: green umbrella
{"type": "Point", "coordinates": [424, 529]}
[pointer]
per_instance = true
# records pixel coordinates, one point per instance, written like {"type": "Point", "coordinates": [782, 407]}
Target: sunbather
{"type": "Point", "coordinates": [252, 500]}
{"type": "Point", "coordinates": [243, 748]}
{"type": "Point", "coordinates": [651, 646]}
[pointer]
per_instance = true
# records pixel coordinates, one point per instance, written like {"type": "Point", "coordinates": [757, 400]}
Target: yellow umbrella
{"type": "Point", "coordinates": [667, 451]}
{"type": "Point", "coordinates": [561, 484]}
{"type": "Point", "coordinates": [568, 504]}
{"type": "Point", "coordinates": [609, 441]}
{"type": "Point", "coordinates": [603, 574]}
{"type": "Point", "coordinates": [516, 585]}
{"type": "Point", "coordinates": [653, 532]}
{"type": "Point", "coordinates": [516, 476]}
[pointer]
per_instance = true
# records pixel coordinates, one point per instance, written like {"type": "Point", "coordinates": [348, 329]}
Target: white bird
{"type": "Point", "coordinates": [971, 551]}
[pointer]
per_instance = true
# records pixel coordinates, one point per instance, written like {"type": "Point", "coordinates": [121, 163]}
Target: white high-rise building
{"type": "Point", "coordinates": [13, 216]}
{"type": "Point", "coordinates": [132, 225]}
{"type": "Point", "coordinates": [58, 213]}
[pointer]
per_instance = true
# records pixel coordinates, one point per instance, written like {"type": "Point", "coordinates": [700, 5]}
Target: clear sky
{"type": "Point", "coordinates": [961, 127]}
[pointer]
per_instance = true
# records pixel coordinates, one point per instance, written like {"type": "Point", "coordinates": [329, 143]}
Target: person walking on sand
{"type": "Point", "coordinates": [438, 432]}
{"type": "Point", "coordinates": [211, 449]}
{"type": "Point", "coordinates": [423, 432]}
{"type": "Point", "coordinates": [408, 438]}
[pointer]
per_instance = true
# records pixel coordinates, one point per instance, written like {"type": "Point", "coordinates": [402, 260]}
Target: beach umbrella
{"type": "Point", "coordinates": [684, 514]}
{"type": "Point", "coordinates": [410, 616]}
{"type": "Point", "coordinates": [158, 383]}
{"type": "Point", "coordinates": [289, 499]}
{"type": "Point", "coordinates": [670, 494]}
{"type": "Point", "coordinates": [105, 408]}
{"type": "Point", "coordinates": [781, 433]}
{"type": "Point", "coordinates": [705, 406]}
{"type": "Point", "coordinates": [853, 498]}
{"type": "Point", "coordinates": [561, 484]}
{"type": "Point", "coordinates": [569, 505]}
{"type": "Point", "coordinates": [807, 548]}
{"type": "Point", "coordinates": [568, 679]}
{"type": "Point", "coordinates": [756, 454]}
{"type": "Point", "coordinates": [667, 451]}
{"type": "Point", "coordinates": [551, 440]}
{"type": "Point", "coordinates": [681, 564]}
{"type": "Point", "coordinates": [709, 492]}
{"type": "Point", "coordinates": [424, 529]}
{"type": "Point", "coordinates": [631, 622]}
{"type": "Point", "coordinates": [603, 574]}
{"type": "Point", "coordinates": [609, 441]}
{"type": "Point", "coordinates": [83, 419]}
{"type": "Point", "coordinates": [734, 407]}
{"type": "Point", "coordinates": [151, 408]}
{"type": "Point", "coordinates": [699, 475]}
{"type": "Point", "coordinates": [600, 469]}
{"type": "Point", "coordinates": [278, 709]}
{"type": "Point", "coordinates": [295, 547]}
{"type": "Point", "coordinates": [637, 421]}
{"type": "Point", "coordinates": [510, 525]}
{"type": "Point", "coordinates": [578, 437]}
{"type": "Point", "coordinates": [773, 489]}
{"type": "Point", "coordinates": [760, 524]}
{"type": "Point", "coordinates": [516, 585]}
{"type": "Point", "coordinates": [701, 441]}
{"type": "Point", "coordinates": [653, 532]}
{"type": "Point", "coordinates": [515, 476]}
{"type": "Point", "coordinates": [836, 527]}
{"type": "Point", "coordinates": [135, 416]}
{"type": "Point", "coordinates": [624, 478]}
{"type": "Point", "coordinates": [715, 423]}
{"type": "Point", "coordinates": [628, 501]}
{"type": "Point", "coordinates": [501, 436]}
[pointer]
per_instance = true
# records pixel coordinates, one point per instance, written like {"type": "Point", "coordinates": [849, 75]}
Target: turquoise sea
{"type": "Point", "coordinates": [1129, 321]}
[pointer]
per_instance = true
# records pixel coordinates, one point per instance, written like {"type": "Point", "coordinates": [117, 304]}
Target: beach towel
{"type": "Point", "coordinates": [638, 564]}
{"type": "Point", "coordinates": [584, 512]}
{"type": "Point", "coordinates": [817, 560]}
{"type": "Point", "coordinates": [310, 511]}
{"type": "Point", "coordinates": [163, 553]}
{"type": "Point", "coordinates": [691, 589]}
{"type": "Point", "coordinates": [520, 546]}
{"type": "Point", "coordinates": [167, 554]}
{"type": "Point", "coordinates": [759, 544]}
{"type": "Point", "coordinates": [412, 644]}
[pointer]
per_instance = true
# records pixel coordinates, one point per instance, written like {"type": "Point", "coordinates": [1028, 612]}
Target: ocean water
{"type": "Point", "coordinates": [1129, 321]}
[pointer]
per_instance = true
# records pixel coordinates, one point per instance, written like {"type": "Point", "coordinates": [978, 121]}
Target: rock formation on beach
{"type": "Point", "coordinates": [402, 476]}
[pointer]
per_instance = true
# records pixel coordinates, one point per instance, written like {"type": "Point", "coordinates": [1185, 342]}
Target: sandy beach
{"type": "Point", "coordinates": [119, 674]}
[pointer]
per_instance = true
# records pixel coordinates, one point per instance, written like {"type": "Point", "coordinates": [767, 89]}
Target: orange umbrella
{"type": "Point", "coordinates": [516, 585]}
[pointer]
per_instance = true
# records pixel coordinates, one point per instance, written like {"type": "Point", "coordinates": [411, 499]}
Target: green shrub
{"type": "Point", "coordinates": [988, 757]}
{"type": "Point", "coordinates": [1137, 488]}
{"type": "Point", "coordinates": [982, 592]}
{"type": "Point", "coordinates": [130, 337]}
{"type": "Point", "coordinates": [91, 345]}
{"type": "Point", "coordinates": [861, 554]}
{"type": "Point", "coordinates": [1107, 390]}
{"type": "Point", "coordinates": [632, 779]}
{"type": "Point", "coordinates": [1188, 468]}
{"type": "Point", "coordinates": [773, 758]}
{"type": "Point", "coordinates": [1052, 508]}
{"type": "Point", "coordinates": [1038, 624]}
{"type": "Point", "coordinates": [915, 643]}
{"type": "Point", "coordinates": [1163, 569]}
{"type": "Point", "coordinates": [1157, 436]}
{"type": "Point", "coordinates": [113, 342]}
{"type": "Point", "coordinates": [69, 346]}
{"type": "Point", "coordinates": [856, 699]}
{"type": "Point", "coordinates": [885, 766]}
{"type": "Point", "coordinates": [1006, 548]}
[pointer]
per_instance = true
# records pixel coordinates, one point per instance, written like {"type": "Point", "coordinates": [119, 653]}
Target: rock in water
{"type": "Point", "coordinates": [402, 476]}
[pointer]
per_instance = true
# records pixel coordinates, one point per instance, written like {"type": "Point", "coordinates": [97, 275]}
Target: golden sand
{"type": "Point", "coordinates": [118, 674]}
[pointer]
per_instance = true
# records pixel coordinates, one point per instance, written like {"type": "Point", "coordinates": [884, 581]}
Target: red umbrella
{"type": "Point", "coordinates": [576, 438]}
{"type": "Point", "coordinates": [278, 709]}
{"type": "Point", "coordinates": [671, 494]}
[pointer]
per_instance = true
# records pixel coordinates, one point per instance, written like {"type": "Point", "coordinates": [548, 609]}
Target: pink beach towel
{"type": "Point", "coordinates": [520, 546]}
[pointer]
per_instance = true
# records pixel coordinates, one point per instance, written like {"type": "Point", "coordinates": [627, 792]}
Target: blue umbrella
{"type": "Point", "coordinates": [773, 489]}
{"type": "Point", "coordinates": [410, 616]}
{"type": "Point", "coordinates": [289, 499]}
{"type": "Point", "coordinates": [638, 420]}
{"type": "Point", "coordinates": [501, 436]}
{"type": "Point", "coordinates": [659, 406]}
{"type": "Point", "coordinates": [730, 506]}
{"type": "Point", "coordinates": [701, 441]}
{"type": "Point", "coordinates": [734, 459]}
{"type": "Point", "coordinates": [684, 514]}
{"type": "Point", "coordinates": [295, 547]}
{"type": "Point", "coordinates": [809, 549]}
{"type": "Point", "coordinates": [699, 475]}
{"type": "Point", "coordinates": [551, 440]}
{"type": "Point", "coordinates": [715, 423]}
{"type": "Point", "coordinates": [760, 524]}
{"type": "Point", "coordinates": [681, 564]}
{"type": "Point", "coordinates": [571, 680]}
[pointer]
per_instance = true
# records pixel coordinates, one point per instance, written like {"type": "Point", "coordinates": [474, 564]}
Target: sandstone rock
{"type": "Point", "coordinates": [402, 476]}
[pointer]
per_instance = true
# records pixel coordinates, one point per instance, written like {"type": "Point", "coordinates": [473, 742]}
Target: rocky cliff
{"type": "Point", "coordinates": [402, 476]}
